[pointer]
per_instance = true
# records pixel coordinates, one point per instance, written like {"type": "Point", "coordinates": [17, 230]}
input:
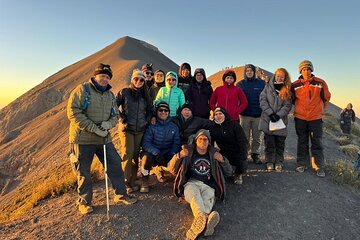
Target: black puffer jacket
{"type": "Point", "coordinates": [230, 138]}
{"type": "Point", "coordinates": [135, 111]}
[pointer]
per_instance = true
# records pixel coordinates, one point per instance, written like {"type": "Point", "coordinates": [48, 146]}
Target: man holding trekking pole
{"type": "Point", "coordinates": [92, 113]}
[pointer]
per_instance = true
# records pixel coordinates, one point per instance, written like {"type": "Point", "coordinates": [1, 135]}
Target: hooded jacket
{"type": "Point", "coordinates": [181, 166]}
{"type": "Point", "coordinates": [199, 95]}
{"type": "Point", "coordinates": [231, 98]}
{"type": "Point", "coordinates": [184, 82]}
{"type": "Point", "coordinates": [270, 103]}
{"type": "Point", "coordinates": [162, 138]}
{"type": "Point", "coordinates": [310, 98]}
{"type": "Point", "coordinates": [83, 124]}
{"type": "Point", "coordinates": [173, 96]}
{"type": "Point", "coordinates": [252, 88]}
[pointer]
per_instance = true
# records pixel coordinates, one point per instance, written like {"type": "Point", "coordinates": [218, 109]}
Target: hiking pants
{"type": "Point", "coordinates": [130, 148]}
{"type": "Point", "coordinates": [200, 196]}
{"type": "Point", "coordinates": [148, 160]}
{"type": "Point", "coordinates": [240, 165]}
{"type": "Point", "coordinates": [251, 130]}
{"type": "Point", "coordinates": [314, 131]}
{"type": "Point", "coordinates": [82, 166]}
{"type": "Point", "coordinates": [274, 148]}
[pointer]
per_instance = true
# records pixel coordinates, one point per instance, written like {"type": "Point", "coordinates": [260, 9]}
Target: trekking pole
{"type": "Point", "coordinates": [106, 182]}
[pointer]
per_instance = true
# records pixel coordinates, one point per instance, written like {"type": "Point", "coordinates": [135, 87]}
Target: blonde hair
{"type": "Point", "coordinates": [284, 93]}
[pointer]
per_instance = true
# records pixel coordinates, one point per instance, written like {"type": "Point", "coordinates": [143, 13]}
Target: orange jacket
{"type": "Point", "coordinates": [310, 98]}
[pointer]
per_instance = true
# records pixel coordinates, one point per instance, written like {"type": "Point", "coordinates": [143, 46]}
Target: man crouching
{"type": "Point", "coordinates": [199, 178]}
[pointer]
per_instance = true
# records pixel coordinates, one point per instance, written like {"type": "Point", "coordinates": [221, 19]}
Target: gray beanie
{"type": "Point", "coordinates": [304, 64]}
{"type": "Point", "coordinates": [204, 132]}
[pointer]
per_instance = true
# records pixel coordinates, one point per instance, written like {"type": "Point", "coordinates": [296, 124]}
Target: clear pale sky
{"type": "Point", "coordinates": [39, 38]}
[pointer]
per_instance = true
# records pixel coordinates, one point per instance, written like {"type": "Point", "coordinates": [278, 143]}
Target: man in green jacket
{"type": "Point", "coordinates": [92, 113]}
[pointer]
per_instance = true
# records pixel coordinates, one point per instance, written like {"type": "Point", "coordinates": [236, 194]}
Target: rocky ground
{"type": "Point", "coordinates": [269, 205]}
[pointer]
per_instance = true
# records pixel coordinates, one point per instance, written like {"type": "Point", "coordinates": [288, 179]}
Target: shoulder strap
{"type": "Point", "coordinates": [87, 96]}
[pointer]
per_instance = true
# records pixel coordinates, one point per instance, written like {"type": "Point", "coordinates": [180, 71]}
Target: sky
{"type": "Point", "coordinates": [40, 37]}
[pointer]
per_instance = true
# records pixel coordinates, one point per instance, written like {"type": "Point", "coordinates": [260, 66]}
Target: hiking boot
{"type": "Point", "coordinates": [85, 209]}
{"type": "Point", "coordinates": [144, 188]}
{"type": "Point", "coordinates": [269, 166]}
{"type": "Point", "coordinates": [255, 157]}
{"type": "Point", "coordinates": [159, 174]}
{"type": "Point", "coordinates": [212, 221]}
{"type": "Point", "coordinates": [278, 167]}
{"type": "Point", "coordinates": [320, 173]}
{"type": "Point", "coordinates": [132, 188]}
{"type": "Point", "coordinates": [300, 169]}
{"type": "Point", "coordinates": [197, 227]}
{"type": "Point", "coordinates": [238, 179]}
{"type": "Point", "coordinates": [124, 199]}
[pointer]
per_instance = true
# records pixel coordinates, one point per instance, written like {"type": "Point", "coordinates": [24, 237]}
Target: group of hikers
{"type": "Point", "coordinates": [176, 122]}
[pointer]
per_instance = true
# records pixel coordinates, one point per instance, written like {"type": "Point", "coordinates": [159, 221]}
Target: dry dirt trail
{"type": "Point", "coordinates": [269, 205]}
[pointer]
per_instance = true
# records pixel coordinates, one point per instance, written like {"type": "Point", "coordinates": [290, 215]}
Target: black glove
{"type": "Point", "coordinates": [274, 117]}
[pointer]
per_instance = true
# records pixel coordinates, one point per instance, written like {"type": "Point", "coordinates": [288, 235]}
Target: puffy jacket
{"type": "Point", "coordinates": [154, 89]}
{"type": "Point", "coordinates": [199, 95]}
{"type": "Point", "coordinates": [163, 138]}
{"type": "Point", "coordinates": [101, 108]}
{"type": "Point", "coordinates": [135, 111]}
{"type": "Point", "coordinates": [230, 138]}
{"type": "Point", "coordinates": [173, 96]}
{"type": "Point", "coordinates": [252, 88]}
{"type": "Point", "coordinates": [180, 167]}
{"type": "Point", "coordinates": [310, 98]}
{"type": "Point", "coordinates": [271, 103]}
{"type": "Point", "coordinates": [347, 116]}
{"type": "Point", "coordinates": [189, 127]}
{"type": "Point", "coordinates": [231, 98]}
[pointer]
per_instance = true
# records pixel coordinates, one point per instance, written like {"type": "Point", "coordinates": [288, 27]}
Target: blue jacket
{"type": "Point", "coordinates": [252, 88]}
{"type": "Point", "coordinates": [163, 138]}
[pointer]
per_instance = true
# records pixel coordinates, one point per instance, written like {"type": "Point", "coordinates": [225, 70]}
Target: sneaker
{"type": "Point", "coordinates": [269, 166]}
{"type": "Point", "coordinates": [197, 227]}
{"type": "Point", "coordinates": [238, 179]}
{"type": "Point", "coordinates": [320, 173]}
{"type": "Point", "coordinates": [85, 209]}
{"type": "Point", "coordinates": [124, 199]}
{"type": "Point", "coordinates": [144, 188]}
{"type": "Point", "coordinates": [278, 167]}
{"type": "Point", "coordinates": [300, 169]}
{"type": "Point", "coordinates": [212, 221]}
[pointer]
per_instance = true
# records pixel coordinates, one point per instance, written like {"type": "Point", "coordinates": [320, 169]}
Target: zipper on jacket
{"type": "Point", "coordinates": [137, 115]}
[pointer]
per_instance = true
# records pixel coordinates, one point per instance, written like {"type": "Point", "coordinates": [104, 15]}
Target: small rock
{"type": "Point", "coordinates": [34, 220]}
{"type": "Point", "coordinates": [309, 191]}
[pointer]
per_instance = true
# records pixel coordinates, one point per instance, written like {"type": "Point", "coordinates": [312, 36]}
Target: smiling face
{"type": "Point", "coordinates": [159, 77]}
{"type": "Point", "coordinates": [171, 81]}
{"type": "Point", "coordinates": [249, 72]}
{"type": "Point", "coordinates": [185, 72]}
{"type": "Point", "coordinates": [229, 79]}
{"type": "Point", "coordinates": [138, 82]}
{"type": "Point", "coordinates": [186, 113]}
{"type": "Point", "coordinates": [199, 77]}
{"type": "Point", "coordinates": [202, 143]}
{"type": "Point", "coordinates": [219, 117]}
{"type": "Point", "coordinates": [102, 79]}
{"type": "Point", "coordinates": [162, 113]}
{"type": "Point", "coordinates": [279, 76]}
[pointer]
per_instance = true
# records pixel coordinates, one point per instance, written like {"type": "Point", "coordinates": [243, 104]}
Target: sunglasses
{"type": "Point", "coordinates": [163, 110]}
{"type": "Point", "coordinates": [139, 79]}
{"type": "Point", "coordinates": [149, 73]}
{"type": "Point", "coordinates": [171, 79]}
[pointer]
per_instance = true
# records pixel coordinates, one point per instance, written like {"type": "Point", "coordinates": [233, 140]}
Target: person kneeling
{"type": "Point", "coordinates": [199, 178]}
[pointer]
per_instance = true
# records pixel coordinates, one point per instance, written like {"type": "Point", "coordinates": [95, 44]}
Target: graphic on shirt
{"type": "Point", "coordinates": [201, 166]}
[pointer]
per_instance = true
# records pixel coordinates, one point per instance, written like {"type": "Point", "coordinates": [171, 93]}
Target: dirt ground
{"type": "Point", "coordinates": [269, 205]}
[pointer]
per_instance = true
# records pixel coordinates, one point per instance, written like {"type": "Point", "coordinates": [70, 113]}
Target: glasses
{"type": "Point", "coordinates": [149, 73]}
{"type": "Point", "coordinates": [163, 110]}
{"type": "Point", "coordinates": [171, 79]}
{"type": "Point", "coordinates": [139, 79]}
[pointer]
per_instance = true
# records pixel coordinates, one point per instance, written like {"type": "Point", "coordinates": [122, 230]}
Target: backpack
{"type": "Point", "coordinates": [87, 99]}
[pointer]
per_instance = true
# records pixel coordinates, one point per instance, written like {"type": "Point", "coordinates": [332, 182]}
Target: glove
{"type": "Point", "coordinates": [274, 117]}
{"type": "Point", "coordinates": [101, 133]}
{"type": "Point", "coordinates": [106, 125]}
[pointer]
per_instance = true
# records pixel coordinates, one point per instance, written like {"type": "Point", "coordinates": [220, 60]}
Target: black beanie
{"type": "Point", "coordinates": [187, 105]}
{"type": "Point", "coordinates": [162, 105]}
{"type": "Point", "coordinates": [229, 73]}
{"type": "Point", "coordinates": [103, 69]}
{"type": "Point", "coordinates": [147, 67]}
